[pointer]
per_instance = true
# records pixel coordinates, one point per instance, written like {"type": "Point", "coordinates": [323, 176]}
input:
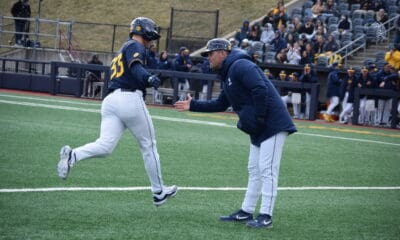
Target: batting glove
{"type": "Point", "coordinates": [154, 81]}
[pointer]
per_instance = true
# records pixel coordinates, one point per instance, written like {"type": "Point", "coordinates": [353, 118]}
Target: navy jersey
{"type": "Point", "coordinates": [127, 69]}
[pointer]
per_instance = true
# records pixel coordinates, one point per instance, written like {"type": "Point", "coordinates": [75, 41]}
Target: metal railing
{"type": "Point", "coordinates": [361, 42]}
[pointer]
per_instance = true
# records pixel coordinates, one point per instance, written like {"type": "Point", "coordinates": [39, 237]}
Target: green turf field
{"type": "Point", "coordinates": [336, 182]}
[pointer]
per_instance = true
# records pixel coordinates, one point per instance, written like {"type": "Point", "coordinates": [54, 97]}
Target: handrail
{"type": "Point", "coordinates": [363, 39]}
{"type": "Point", "coordinates": [353, 50]}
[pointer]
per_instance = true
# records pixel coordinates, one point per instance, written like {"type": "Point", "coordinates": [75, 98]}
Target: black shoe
{"type": "Point", "coordinates": [239, 216]}
{"type": "Point", "coordinates": [161, 197]}
{"type": "Point", "coordinates": [262, 221]}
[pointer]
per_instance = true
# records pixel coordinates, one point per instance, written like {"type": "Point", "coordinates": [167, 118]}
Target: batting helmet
{"type": "Point", "coordinates": [144, 27]}
{"type": "Point", "coordinates": [216, 44]}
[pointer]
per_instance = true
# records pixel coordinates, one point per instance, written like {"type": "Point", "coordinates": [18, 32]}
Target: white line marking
{"type": "Point", "coordinates": [185, 121]}
{"type": "Point", "coordinates": [124, 189]}
{"type": "Point", "coordinates": [50, 100]}
{"type": "Point", "coordinates": [350, 139]}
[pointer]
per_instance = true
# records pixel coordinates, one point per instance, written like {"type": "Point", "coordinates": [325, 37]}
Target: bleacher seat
{"type": "Point", "coordinates": [357, 22]}
{"type": "Point", "coordinates": [357, 14]}
{"type": "Point", "coordinates": [354, 6]}
{"type": "Point", "coordinates": [333, 20]}
{"type": "Point", "coordinates": [358, 29]}
{"type": "Point", "coordinates": [270, 57]}
{"type": "Point", "coordinates": [343, 6]}
{"type": "Point", "coordinates": [347, 36]}
{"type": "Point", "coordinates": [323, 61]}
{"type": "Point", "coordinates": [332, 28]}
{"type": "Point", "coordinates": [297, 11]}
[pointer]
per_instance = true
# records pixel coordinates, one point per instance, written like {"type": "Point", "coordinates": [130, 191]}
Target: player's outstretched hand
{"type": "Point", "coordinates": [183, 105]}
{"type": "Point", "coordinates": [154, 81]}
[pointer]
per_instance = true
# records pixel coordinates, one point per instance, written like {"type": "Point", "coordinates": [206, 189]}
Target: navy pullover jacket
{"type": "Point", "coordinates": [261, 111]}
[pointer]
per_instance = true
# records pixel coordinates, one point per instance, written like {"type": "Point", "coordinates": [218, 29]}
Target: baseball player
{"type": "Point", "coordinates": [262, 115]}
{"type": "Point", "coordinates": [333, 91]}
{"type": "Point", "coordinates": [124, 107]}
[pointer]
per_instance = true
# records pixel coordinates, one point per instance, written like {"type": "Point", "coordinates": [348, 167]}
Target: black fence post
{"type": "Point", "coordinates": [356, 106]}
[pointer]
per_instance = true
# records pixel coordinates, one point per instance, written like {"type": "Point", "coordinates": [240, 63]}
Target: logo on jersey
{"type": "Point", "coordinates": [136, 54]}
{"type": "Point", "coordinates": [229, 82]}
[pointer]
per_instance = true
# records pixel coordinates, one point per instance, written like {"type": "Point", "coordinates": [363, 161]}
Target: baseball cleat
{"type": "Point", "coordinates": [262, 221]}
{"type": "Point", "coordinates": [65, 164]}
{"type": "Point", "coordinates": [239, 216]}
{"type": "Point", "coordinates": [161, 197]}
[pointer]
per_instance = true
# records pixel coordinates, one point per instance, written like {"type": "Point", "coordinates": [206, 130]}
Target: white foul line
{"type": "Point", "coordinates": [125, 189]}
{"type": "Point", "coordinates": [185, 121]}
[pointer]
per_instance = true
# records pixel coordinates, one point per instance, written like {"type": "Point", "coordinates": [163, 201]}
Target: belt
{"type": "Point", "coordinates": [123, 90]}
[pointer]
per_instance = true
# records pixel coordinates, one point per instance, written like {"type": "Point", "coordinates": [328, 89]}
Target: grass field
{"type": "Point", "coordinates": [336, 182]}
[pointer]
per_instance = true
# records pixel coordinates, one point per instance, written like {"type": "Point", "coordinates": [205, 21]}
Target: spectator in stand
{"type": "Point", "coordinates": [292, 30]}
{"type": "Point", "coordinates": [280, 16]}
{"type": "Point", "coordinates": [294, 54]}
{"type": "Point", "coordinates": [308, 29]}
{"type": "Point", "coordinates": [365, 81]}
{"type": "Point", "coordinates": [278, 43]}
{"type": "Point", "coordinates": [152, 58]}
{"type": "Point", "coordinates": [392, 57]}
{"type": "Point", "coordinates": [381, 17]}
{"type": "Point", "coordinates": [344, 25]}
{"type": "Point", "coordinates": [289, 38]}
{"type": "Point", "coordinates": [21, 9]}
{"type": "Point", "coordinates": [255, 33]}
{"type": "Point", "coordinates": [281, 57]}
{"type": "Point", "coordinates": [319, 45]}
{"type": "Point", "coordinates": [267, 34]}
{"type": "Point", "coordinates": [308, 54]}
{"type": "Point", "coordinates": [297, 24]}
{"type": "Point", "coordinates": [330, 8]}
{"type": "Point", "coordinates": [333, 92]}
{"type": "Point", "coordinates": [331, 45]}
{"type": "Point", "coordinates": [164, 64]}
{"type": "Point", "coordinates": [243, 32]}
{"type": "Point", "coordinates": [269, 18]}
{"type": "Point", "coordinates": [347, 94]}
{"type": "Point", "coordinates": [320, 31]}
{"type": "Point", "coordinates": [317, 8]}
{"type": "Point", "coordinates": [319, 25]}
{"type": "Point", "coordinates": [379, 4]}
{"type": "Point", "coordinates": [308, 76]}
{"type": "Point", "coordinates": [183, 63]}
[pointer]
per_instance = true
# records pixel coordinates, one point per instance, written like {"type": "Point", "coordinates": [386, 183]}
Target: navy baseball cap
{"type": "Point", "coordinates": [216, 44]}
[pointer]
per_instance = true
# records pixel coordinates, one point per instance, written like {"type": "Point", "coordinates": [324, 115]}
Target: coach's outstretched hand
{"type": "Point", "coordinates": [183, 105]}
